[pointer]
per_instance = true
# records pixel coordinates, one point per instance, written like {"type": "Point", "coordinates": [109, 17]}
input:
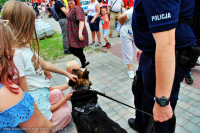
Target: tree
{"type": "Point", "coordinates": [2, 2]}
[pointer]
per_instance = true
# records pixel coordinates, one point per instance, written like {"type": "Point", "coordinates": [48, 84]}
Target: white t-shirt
{"type": "Point", "coordinates": [117, 5]}
{"type": "Point", "coordinates": [92, 9]}
{"type": "Point", "coordinates": [126, 27]}
{"type": "Point", "coordinates": [22, 60]}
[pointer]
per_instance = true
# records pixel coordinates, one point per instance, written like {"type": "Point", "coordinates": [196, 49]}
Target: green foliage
{"type": "Point", "coordinates": [51, 48]}
{"type": "Point", "coordinates": [2, 2]}
{"type": "Point", "coordinates": [96, 50]}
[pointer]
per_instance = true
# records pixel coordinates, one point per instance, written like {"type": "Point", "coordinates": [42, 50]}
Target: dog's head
{"type": "Point", "coordinates": [83, 79]}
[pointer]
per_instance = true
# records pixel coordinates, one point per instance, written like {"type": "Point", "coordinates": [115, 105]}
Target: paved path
{"type": "Point", "coordinates": [108, 74]}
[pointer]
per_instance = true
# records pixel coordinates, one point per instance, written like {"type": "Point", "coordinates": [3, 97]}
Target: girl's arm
{"type": "Point", "coordinates": [50, 67]}
{"type": "Point", "coordinates": [60, 87]}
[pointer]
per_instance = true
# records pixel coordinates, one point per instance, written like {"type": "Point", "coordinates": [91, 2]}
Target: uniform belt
{"type": "Point", "coordinates": [151, 54]}
{"type": "Point", "coordinates": [114, 12]}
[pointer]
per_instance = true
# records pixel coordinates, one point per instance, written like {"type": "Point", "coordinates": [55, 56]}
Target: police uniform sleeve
{"type": "Point", "coordinates": [162, 15]}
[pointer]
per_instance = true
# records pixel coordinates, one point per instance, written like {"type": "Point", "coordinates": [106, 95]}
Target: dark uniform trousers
{"type": "Point", "coordinates": [144, 95]}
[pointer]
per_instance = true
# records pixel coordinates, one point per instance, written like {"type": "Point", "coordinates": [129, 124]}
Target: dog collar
{"type": "Point", "coordinates": [83, 87]}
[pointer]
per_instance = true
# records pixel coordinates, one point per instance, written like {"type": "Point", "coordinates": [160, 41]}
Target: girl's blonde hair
{"type": "Point", "coordinates": [22, 21]}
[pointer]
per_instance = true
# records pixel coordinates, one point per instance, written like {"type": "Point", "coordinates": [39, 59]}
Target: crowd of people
{"type": "Point", "coordinates": [24, 75]}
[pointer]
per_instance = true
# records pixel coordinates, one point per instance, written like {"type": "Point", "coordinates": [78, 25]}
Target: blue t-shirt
{"type": "Point", "coordinates": [152, 16]}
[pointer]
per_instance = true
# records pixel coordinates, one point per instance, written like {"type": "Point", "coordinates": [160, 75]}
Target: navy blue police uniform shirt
{"type": "Point", "coordinates": [151, 16]}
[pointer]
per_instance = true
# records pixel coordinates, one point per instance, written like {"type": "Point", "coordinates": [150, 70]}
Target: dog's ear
{"type": "Point", "coordinates": [85, 75]}
{"type": "Point", "coordinates": [71, 83]}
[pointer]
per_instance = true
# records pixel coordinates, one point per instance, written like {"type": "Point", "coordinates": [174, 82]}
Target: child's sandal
{"type": "Point", "coordinates": [99, 43]}
{"type": "Point", "coordinates": [93, 42]}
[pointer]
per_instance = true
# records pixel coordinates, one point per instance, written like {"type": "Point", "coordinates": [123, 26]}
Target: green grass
{"type": "Point", "coordinates": [51, 48]}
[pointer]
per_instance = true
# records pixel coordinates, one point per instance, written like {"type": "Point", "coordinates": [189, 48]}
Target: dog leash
{"type": "Point", "coordinates": [104, 95]}
{"type": "Point", "coordinates": [151, 126]}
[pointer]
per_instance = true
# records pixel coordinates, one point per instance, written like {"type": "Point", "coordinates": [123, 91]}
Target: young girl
{"type": "Point", "coordinates": [16, 106]}
{"type": "Point", "coordinates": [28, 62]}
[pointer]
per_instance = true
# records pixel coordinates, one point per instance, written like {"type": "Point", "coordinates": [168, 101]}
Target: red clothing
{"type": "Point", "coordinates": [131, 2]}
{"type": "Point", "coordinates": [105, 25]}
{"type": "Point", "coordinates": [74, 15]}
{"type": "Point", "coordinates": [125, 3]}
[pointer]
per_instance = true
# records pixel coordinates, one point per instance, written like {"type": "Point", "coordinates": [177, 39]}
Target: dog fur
{"type": "Point", "coordinates": [97, 120]}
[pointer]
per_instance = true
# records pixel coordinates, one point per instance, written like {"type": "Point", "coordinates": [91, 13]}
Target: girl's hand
{"type": "Point", "coordinates": [67, 97]}
{"type": "Point", "coordinates": [48, 75]}
{"type": "Point", "coordinates": [74, 78]}
{"type": "Point", "coordinates": [81, 37]}
{"type": "Point", "coordinates": [92, 21]}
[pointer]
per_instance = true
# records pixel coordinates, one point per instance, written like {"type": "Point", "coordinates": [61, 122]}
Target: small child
{"type": "Point", "coordinates": [40, 12]}
{"type": "Point", "coordinates": [105, 23]}
{"type": "Point", "coordinates": [70, 65]}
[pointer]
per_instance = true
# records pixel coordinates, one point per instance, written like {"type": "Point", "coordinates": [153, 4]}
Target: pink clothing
{"type": "Point", "coordinates": [105, 25]}
{"type": "Point", "coordinates": [62, 116]}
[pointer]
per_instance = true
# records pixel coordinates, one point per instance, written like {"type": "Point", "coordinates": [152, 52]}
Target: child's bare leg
{"type": "Point", "coordinates": [106, 39]}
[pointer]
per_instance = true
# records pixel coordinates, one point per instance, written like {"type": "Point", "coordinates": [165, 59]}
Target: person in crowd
{"type": "Point", "coordinates": [27, 61]}
{"type": "Point", "coordinates": [16, 108]}
{"type": "Point", "coordinates": [43, 5]}
{"type": "Point", "coordinates": [131, 3]}
{"type": "Point", "coordinates": [105, 23]}
{"type": "Point", "coordinates": [40, 13]}
{"type": "Point", "coordinates": [127, 41]}
{"type": "Point", "coordinates": [62, 11]}
{"type": "Point", "coordinates": [61, 113]}
{"type": "Point", "coordinates": [114, 7]}
{"type": "Point", "coordinates": [48, 8]}
{"type": "Point", "coordinates": [159, 73]}
{"type": "Point", "coordinates": [35, 7]}
{"type": "Point", "coordinates": [125, 5]}
{"type": "Point", "coordinates": [93, 20]}
{"type": "Point", "coordinates": [75, 30]}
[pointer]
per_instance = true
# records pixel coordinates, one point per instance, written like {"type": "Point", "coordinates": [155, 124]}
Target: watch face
{"type": "Point", "coordinates": [163, 102]}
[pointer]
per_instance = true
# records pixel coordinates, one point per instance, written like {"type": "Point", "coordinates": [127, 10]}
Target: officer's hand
{"type": "Point", "coordinates": [162, 114]}
{"type": "Point", "coordinates": [139, 52]}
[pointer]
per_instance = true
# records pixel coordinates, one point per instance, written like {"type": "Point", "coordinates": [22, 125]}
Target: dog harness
{"type": "Point", "coordinates": [87, 108]}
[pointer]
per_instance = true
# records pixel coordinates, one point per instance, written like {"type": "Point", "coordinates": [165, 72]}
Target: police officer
{"type": "Point", "coordinates": [158, 33]}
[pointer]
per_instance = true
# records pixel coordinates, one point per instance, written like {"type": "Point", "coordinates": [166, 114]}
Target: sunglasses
{"type": "Point", "coordinates": [5, 22]}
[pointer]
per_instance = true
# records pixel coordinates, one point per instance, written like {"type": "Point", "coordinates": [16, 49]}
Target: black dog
{"type": "Point", "coordinates": [86, 113]}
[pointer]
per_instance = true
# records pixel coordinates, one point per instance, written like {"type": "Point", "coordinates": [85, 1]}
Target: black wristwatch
{"type": "Point", "coordinates": [163, 101]}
